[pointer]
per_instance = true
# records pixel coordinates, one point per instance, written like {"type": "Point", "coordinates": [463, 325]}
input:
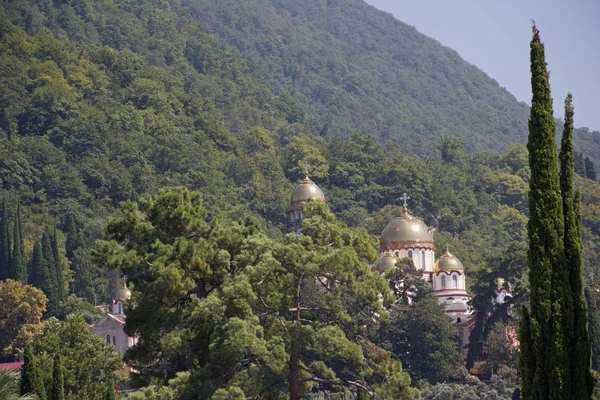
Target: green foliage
{"type": "Point", "coordinates": [19, 263]}
{"type": "Point", "coordinates": [57, 391]}
{"type": "Point", "coordinates": [31, 380]}
{"type": "Point", "coordinates": [5, 257]}
{"type": "Point", "coordinates": [578, 340]}
{"type": "Point", "coordinates": [89, 364]}
{"type": "Point", "coordinates": [423, 338]}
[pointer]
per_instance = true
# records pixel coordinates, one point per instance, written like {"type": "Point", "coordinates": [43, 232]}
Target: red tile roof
{"type": "Point", "coordinates": [13, 366]}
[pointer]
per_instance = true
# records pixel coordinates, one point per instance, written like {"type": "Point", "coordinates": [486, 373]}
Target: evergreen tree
{"type": "Point", "coordinates": [19, 264]}
{"type": "Point", "coordinates": [550, 298]}
{"type": "Point", "coordinates": [590, 169]}
{"type": "Point", "coordinates": [578, 342]}
{"type": "Point", "coordinates": [52, 282]}
{"type": "Point", "coordinates": [72, 236]}
{"type": "Point", "coordinates": [593, 326]}
{"type": "Point", "coordinates": [42, 276]}
{"type": "Point", "coordinates": [58, 381]}
{"type": "Point", "coordinates": [5, 264]}
{"type": "Point", "coordinates": [31, 381]}
{"type": "Point", "coordinates": [60, 284]}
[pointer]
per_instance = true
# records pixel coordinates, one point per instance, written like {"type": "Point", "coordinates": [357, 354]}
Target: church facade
{"type": "Point", "coordinates": [407, 236]}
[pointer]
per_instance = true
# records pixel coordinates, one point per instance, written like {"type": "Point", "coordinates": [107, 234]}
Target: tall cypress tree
{"type": "Point", "coordinates": [42, 276]}
{"type": "Point", "coordinates": [58, 381]}
{"type": "Point", "coordinates": [72, 236]}
{"type": "Point", "coordinates": [31, 381]}
{"type": "Point", "coordinates": [578, 342]}
{"type": "Point", "coordinates": [5, 265]}
{"type": "Point", "coordinates": [48, 255]}
{"type": "Point", "coordinates": [19, 264]}
{"type": "Point", "coordinates": [60, 285]}
{"type": "Point", "coordinates": [550, 299]}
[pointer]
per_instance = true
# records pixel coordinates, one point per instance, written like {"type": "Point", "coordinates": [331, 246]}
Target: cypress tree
{"type": "Point", "coordinates": [590, 169]}
{"type": "Point", "coordinates": [578, 342]}
{"type": "Point", "coordinates": [5, 264]}
{"type": "Point", "coordinates": [19, 265]}
{"type": "Point", "coordinates": [72, 237]}
{"type": "Point", "coordinates": [42, 277]}
{"type": "Point", "coordinates": [31, 381]}
{"type": "Point", "coordinates": [48, 255]}
{"type": "Point", "coordinates": [58, 381]}
{"type": "Point", "coordinates": [60, 285]}
{"type": "Point", "coordinates": [550, 294]}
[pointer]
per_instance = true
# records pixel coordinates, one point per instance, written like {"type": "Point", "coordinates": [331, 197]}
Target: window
{"type": "Point", "coordinates": [423, 258]}
{"type": "Point", "coordinates": [397, 254]}
{"type": "Point", "coordinates": [107, 339]}
{"type": "Point", "coordinates": [455, 281]}
{"type": "Point", "coordinates": [443, 281]}
{"type": "Point", "coordinates": [114, 340]}
{"type": "Point", "coordinates": [410, 253]}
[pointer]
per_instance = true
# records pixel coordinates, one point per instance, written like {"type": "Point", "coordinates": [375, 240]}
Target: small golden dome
{"type": "Point", "coordinates": [386, 262]}
{"type": "Point", "coordinates": [306, 190]}
{"type": "Point", "coordinates": [406, 230]}
{"type": "Point", "coordinates": [448, 262]}
{"type": "Point", "coordinates": [124, 293]}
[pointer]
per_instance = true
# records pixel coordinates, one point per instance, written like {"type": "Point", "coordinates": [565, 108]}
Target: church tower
{"type": "Point", "coordinates": [450, 290]}
{"type": "Point", "coordinates": [305, 190]}
{"type": "Point", "coordinates": [407, 236]}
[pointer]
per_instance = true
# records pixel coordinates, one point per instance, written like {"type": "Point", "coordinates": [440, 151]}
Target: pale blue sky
{"type": "Point", "coordinates": [494, 35]}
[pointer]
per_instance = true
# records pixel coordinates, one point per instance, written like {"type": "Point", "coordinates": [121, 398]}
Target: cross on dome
{"type": "Point", "coordinates": [405, 198]}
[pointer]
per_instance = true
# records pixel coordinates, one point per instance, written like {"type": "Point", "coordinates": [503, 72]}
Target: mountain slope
{"type": "Point", "coordinates": [359, 69]}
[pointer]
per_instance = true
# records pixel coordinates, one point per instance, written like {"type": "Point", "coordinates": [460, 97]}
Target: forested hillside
{"type": "Point", "coordinates": [356, 68]}
{"type": "Point", "coordinates": [104, 102]}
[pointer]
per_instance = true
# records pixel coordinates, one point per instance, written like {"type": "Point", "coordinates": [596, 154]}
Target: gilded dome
{"type": "Point", "coordinates": [448, 262]}
{"type": "Point", "coordinates": [306, 190]}
{"type": "Point", "coordinates": [407, 229]}
{"type": "Point", "coordinates": [386, 262]}
{"type": "Point", "coordinates": [124, 293]}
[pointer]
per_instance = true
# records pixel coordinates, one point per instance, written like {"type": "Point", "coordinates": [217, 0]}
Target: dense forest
{"type": "Point", "coordinates": [104, 103]}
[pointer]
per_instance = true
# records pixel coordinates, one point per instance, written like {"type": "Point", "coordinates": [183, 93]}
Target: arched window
{"type": "Point", "coordinates": [107, 339]}
{"type": "Point", "coordinates": [397, 254]}
{"type": "Point", "coordinates": [443, 281]}
{"type": "Point", "coordinates": [120, 308]}
{"type": "Point", "coordinates": [455, 281]}
{"type": "Point", "coordinates": [410, 253]}
{"type": "Point", "coordinates": [423, 259]}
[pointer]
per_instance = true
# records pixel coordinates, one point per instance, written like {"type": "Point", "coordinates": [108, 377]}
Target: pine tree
{"type": "Point", "coordinates": [31, 381]}
{"type": "Point", "coordinates": [550, 299]}
{"type": "Point", "coordinates": [5, 264]}
{"type": "Point", "coordinates": [590, 169]}
{"type": "Point", "coordinates": [578, 342]}
{"type": "Point", "coordinates": [58, 381]}
{"type": "Point", "coordinates": [19, 264]}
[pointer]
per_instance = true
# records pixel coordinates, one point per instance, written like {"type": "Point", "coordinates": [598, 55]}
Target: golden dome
{"type": "Point", "coordinates": [448, 262]}
{"type": "Point", "coordinates": [124, 293]}
{"type": "Point", "coordinates": [306, 190]}
{"type": "Point", "coordinates": [406, 230]}
{"type": "Point", "coordinates": [386, 262]}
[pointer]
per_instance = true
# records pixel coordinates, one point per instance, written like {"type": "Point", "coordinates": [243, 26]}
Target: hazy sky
{"type": "Point", "coordinates": [494, 35]}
